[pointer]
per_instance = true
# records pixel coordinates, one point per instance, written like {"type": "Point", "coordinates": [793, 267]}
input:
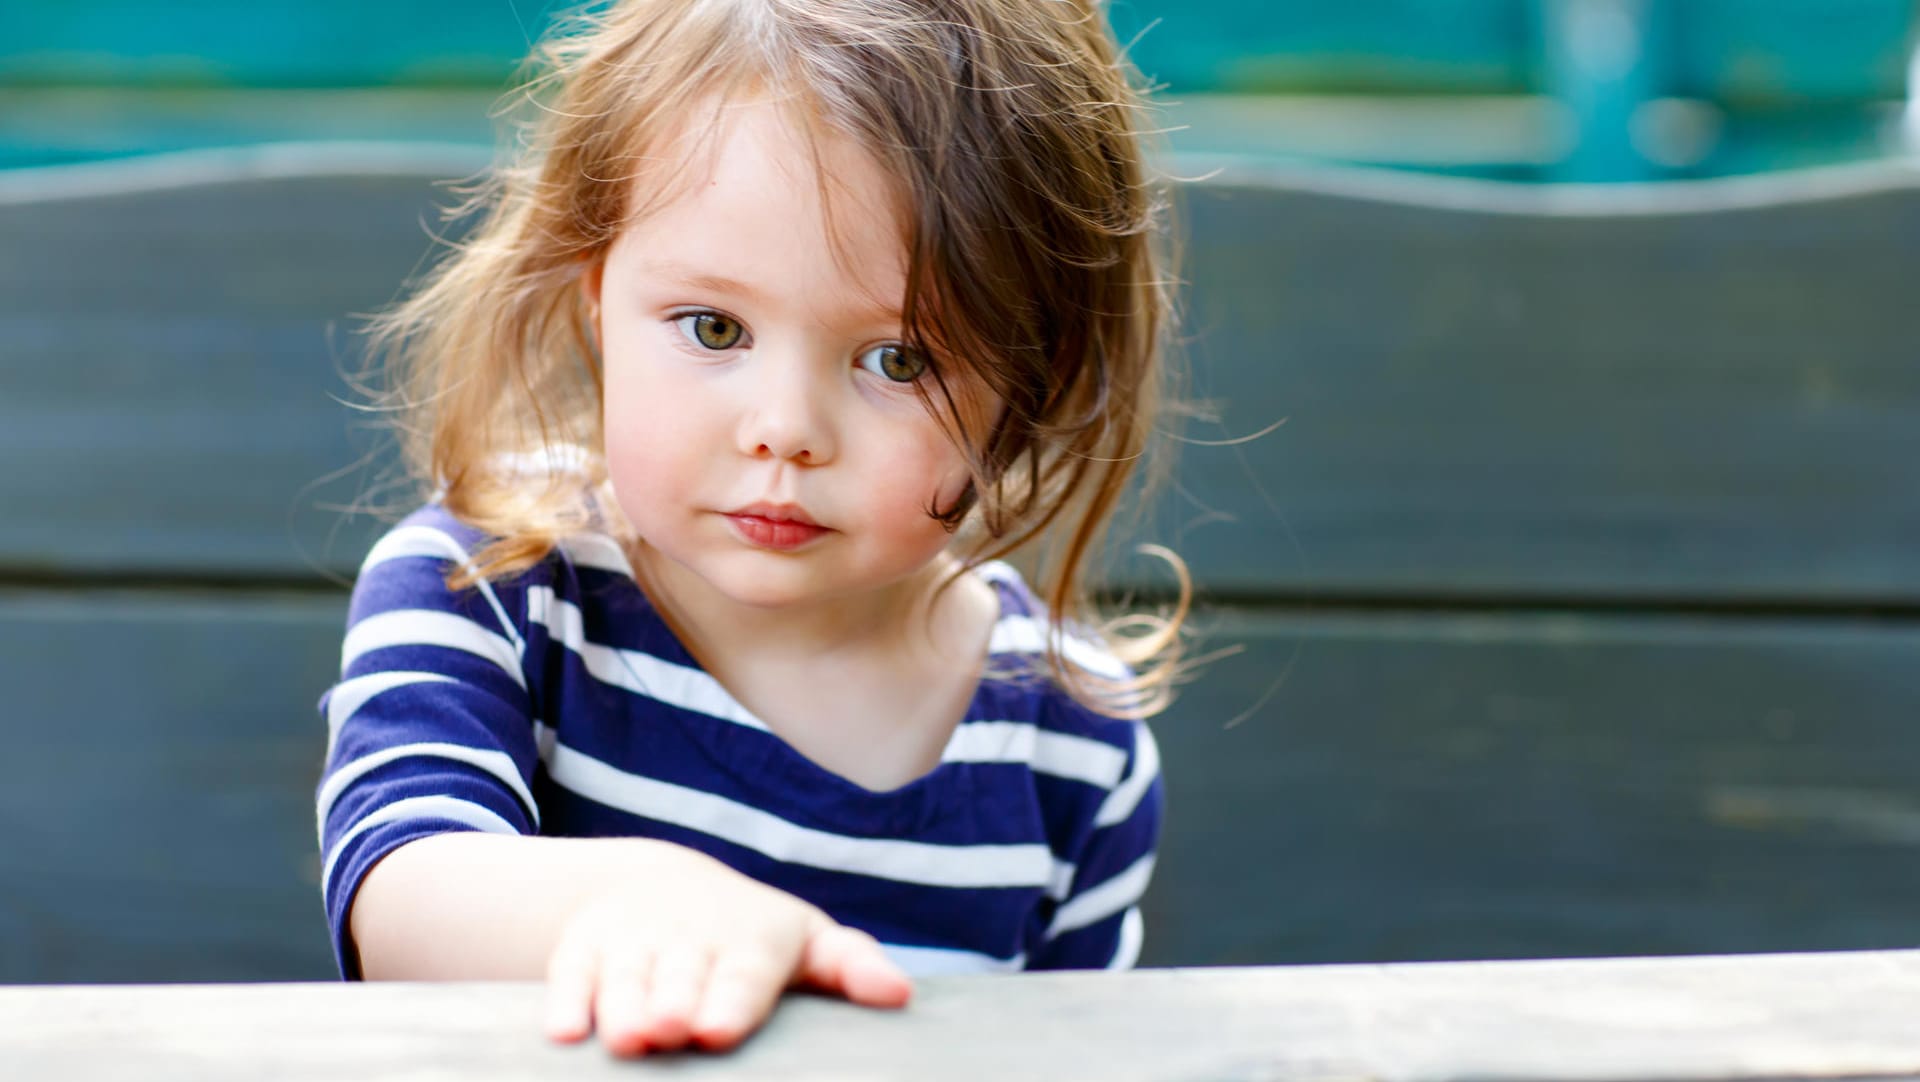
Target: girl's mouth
{"type": "Point", "coordinates": [782, 527]}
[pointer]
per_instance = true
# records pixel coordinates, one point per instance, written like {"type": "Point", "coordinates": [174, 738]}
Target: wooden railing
{"type": "Point", "coordinates": [1726, 1019]}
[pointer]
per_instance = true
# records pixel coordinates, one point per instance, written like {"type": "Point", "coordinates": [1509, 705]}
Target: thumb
{"type": "Point", "coordinates": [850, 962]}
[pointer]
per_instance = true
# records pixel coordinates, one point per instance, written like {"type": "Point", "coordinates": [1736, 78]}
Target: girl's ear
{"type": "Point", "coordinates": [590, 298]}
{"type": "Point", "coordinates": [590, 287]}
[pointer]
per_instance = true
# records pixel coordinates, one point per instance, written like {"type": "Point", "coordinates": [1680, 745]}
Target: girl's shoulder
{"type": "Point", "coordinates": [433, 533]}
{"type": "Point", "coordinates": [431, 549]}
{"type": "Point", "coordinates": [1016, 659]}
{"type": "Point", "coordinates": [426, 563]}
{"type": "Point", "coordinates": [431, 529]}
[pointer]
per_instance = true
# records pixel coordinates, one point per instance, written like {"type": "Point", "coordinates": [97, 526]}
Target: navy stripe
{"type": "Point", "coordinates": [981, 920]}
{"type": "Point", "coordinates": [1091, 947]}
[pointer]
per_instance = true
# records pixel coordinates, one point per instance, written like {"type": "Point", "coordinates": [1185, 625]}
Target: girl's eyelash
{"type": "Point", "coordinates": [710, 331]}
{"type": "Point", "coordinates": [894, 362]}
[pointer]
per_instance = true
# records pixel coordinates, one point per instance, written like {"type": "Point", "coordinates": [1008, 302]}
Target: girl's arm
{"type": "Point", "coordinates": [1098, 924]}
{"type": "Point", "coordinates": [654, 945]}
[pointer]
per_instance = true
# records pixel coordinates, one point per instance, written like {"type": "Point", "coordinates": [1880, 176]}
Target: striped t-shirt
{"type": "Point", "coordinates": [558, 702]}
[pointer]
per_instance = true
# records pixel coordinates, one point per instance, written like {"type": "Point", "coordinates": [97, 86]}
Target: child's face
{"type": "Point", "coordinates": [762, 426]}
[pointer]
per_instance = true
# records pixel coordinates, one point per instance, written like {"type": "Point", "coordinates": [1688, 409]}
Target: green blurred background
{"type": "Point", "coordinates": [1583, 90]}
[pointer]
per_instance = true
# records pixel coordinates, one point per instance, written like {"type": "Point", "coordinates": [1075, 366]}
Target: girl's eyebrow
{"type": "Point", "coordinates": [703, 280]}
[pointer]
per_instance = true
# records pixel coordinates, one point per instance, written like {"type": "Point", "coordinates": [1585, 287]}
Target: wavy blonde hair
{"type": "Point", "coordinates": [1034, 270]}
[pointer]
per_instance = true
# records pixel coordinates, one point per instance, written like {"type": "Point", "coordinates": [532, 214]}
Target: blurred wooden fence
{"type": "Point", "coordinates": [1578, 594]}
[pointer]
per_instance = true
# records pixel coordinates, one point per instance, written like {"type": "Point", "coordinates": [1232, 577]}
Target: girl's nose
{"type": "Point", "coordinates": [788, 416]}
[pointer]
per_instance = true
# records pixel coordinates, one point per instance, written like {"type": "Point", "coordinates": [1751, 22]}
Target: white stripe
{"type": "Point", "coordinates": [1062, 883]}
{"type": "Point", "coordinates": [922, 863]}
{"type": "Point", "coordinates": [1059, 754]}
{"type": "Point", "coordinates": [1132, 931]}
{"type": "Point", "coordinates": [424, 627]}
{"type": "Point", "coordinates": [1098, 903]}
{"type": "Point", "coordinates": [643, 674]}
{"type": "Point", "coordinates": [1029, 635]}
{"type": "Point", "coordinates": [1146, 767]}
{"type": "Point", "coordinates": [415, 541]}
{"type": "Point", "coordinates": [936, 962]}
{"type": "Point", "coordinates": [419, 807]}
{"type": "Point", "coordinates": [598, 551]}
{"type": "Point", "coordinates": [999, 571]}
{"type": "Point", "coordinates": [348, 696]}
{"type": "Point", "coordinates": [497, 763]}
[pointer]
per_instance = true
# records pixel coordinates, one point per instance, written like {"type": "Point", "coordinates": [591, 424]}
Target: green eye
{"type": "Point", "coordinates": [711, 330]}
{"type": "Point", "coordinates": [894, 362]}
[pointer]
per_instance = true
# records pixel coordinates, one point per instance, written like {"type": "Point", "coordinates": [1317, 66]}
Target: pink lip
{"type": "Point", "coordinates": [780, 526]}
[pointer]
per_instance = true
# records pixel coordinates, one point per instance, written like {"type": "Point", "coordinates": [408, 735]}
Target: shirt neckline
{"type": "Point", "coordinates": [829, 795]}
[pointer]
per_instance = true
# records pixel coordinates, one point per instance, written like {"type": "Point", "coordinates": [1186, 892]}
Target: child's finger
{"type": "Point", "coordinates": [620, 1002]}
{"type": "Point", "coordinates": [741, 992]}
{"type": "Point", "coordinates": [673, 995]}
{"type": "Point", "coordinates": [850, 962]}
{"type": "Point", "coordinates": [571, 973]}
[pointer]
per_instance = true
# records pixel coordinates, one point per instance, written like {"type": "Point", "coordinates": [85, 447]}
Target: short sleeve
{"type": "Point", "coordinates": [430, 728]}
{"type": "Point", "coordinates": [1098, 924]}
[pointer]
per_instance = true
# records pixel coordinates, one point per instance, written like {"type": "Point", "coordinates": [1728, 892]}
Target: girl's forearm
{"type": "Point", "coordinates": [471, 906]}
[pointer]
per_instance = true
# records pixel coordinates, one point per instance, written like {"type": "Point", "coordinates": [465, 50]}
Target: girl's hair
{"type": "Point", "coordinates": [1033, 268]}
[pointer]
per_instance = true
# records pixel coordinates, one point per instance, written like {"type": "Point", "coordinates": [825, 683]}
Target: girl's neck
{"type": "Point", "coordinates": [911, 616]}
{"type": "Point", "coordinates": [869, 687]}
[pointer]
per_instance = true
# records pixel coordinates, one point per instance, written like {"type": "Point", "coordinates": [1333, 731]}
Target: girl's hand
{"type": "Point", "coordinates": [702, 962]}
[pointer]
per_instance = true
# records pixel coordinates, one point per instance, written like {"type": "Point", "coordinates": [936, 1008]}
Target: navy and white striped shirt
{"type": "Point", "coordinates": [558, 703]}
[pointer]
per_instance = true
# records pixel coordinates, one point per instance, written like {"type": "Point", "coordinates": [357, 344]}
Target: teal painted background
{"type": "Point", "coordinates": [1463, 86]}
{"type": "Point", "coordinates": [1751, 49]}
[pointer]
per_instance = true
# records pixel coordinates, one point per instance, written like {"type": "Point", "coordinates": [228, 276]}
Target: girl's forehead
{"type": "Point", "coordinates": [777, 143]}
{"type": "Point", "coordinates": [763, 200]}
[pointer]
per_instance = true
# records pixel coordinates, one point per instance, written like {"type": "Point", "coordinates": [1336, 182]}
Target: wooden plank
{"type": "Point", "coordinates": [1387, 787]}
{"type": "Point", "coordinates": [1394, 787]}
{"type": "Point", "coordinates": [1686, 391]}
{"type": "Point", "coordinates": [175, 346]}
{"type": "Point", "coordinates": [1693, 1019]}
{"type": "Point", "coordinates": [1678, 393]}
{"type": "Point", "coordinates": [157, 796]}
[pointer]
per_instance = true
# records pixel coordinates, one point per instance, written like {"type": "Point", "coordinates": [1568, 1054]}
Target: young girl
{"type": "Point", "coordinates": [699, 675]}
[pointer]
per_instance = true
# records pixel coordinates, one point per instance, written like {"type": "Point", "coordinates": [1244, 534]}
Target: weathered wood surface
{"type": "Point", "coordinates": [1685, 393]}
{"type": "Point", "coordinates": [1380, 786]}
{"type": "Point", "coordinates": [1675, 392]}
{"type": "Point", "coordinates": [1352, 787]}
{"type": "Point", "coordinates": [1694, 396]}
{"type": "Point", "coordinates": [1774, 1017]}
{"type": "Point", "coordinates": [175, 339]}
{"type": "Point", "coordinates": [156, 794]}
